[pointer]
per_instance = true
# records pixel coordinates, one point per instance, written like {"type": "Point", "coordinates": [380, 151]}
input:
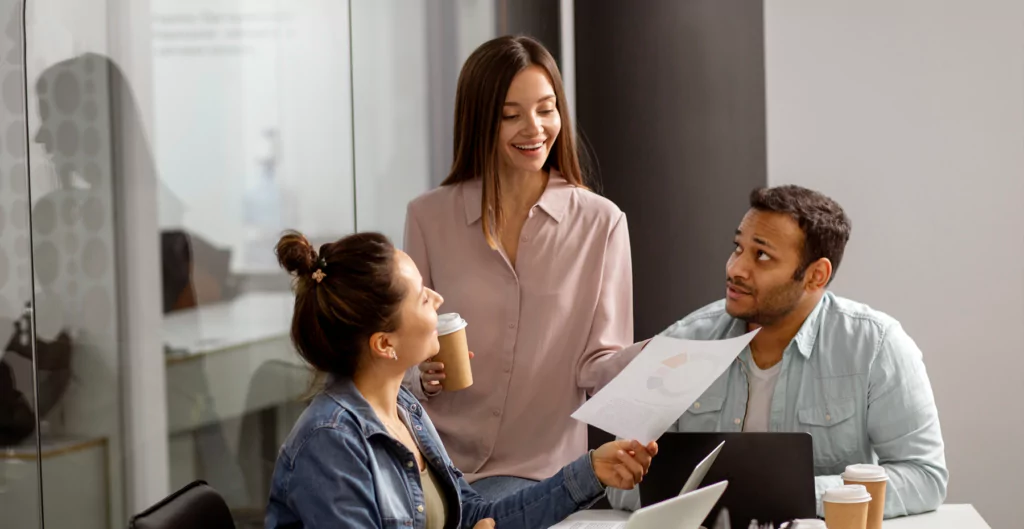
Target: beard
{"type": "Point", "coordinates": [771, 305]}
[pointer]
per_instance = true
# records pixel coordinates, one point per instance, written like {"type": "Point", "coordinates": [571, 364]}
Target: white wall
{"type": "Point", "coordinates": [391, 108]}
{"type": "Point", "coordinates": [911, 114]}
{"type": "Point", "coordinates": [226, 72]}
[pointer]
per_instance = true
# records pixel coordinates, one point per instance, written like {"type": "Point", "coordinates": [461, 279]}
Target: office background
{"type": "Point", "coordinates": [165, 135]}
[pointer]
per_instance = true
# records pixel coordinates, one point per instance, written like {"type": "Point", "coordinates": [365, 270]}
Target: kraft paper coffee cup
{"type": "Point", "coordinates": [875, 480]}
{"type": "Point", "coordinates": [454, 352]}
{"type": "Point", "coordinates": [846, 507]}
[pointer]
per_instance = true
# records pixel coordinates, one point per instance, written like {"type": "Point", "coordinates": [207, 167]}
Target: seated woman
{"type": "Point", "coordinates": [364, 454]}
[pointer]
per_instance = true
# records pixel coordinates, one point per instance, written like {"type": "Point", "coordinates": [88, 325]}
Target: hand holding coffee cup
{"type": "Point", "coordinates": [449, 369]}
{"type": "Point", "coordinates": [431, 375]}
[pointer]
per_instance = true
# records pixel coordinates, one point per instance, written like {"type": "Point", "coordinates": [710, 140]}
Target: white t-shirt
{"type": "Point", "coordinates": [760, 388]}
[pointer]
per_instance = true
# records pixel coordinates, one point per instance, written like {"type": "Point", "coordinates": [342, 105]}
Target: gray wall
{"type": "Point", "coordinates": [539, 19]}
{"type": "Point", "coordinates": [918, 131]}
{"type": "Point", "coordinates": [670, 96]}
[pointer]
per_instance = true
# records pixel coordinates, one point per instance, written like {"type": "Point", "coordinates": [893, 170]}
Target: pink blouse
{"type": "Point", "coordinates": [545, 332]}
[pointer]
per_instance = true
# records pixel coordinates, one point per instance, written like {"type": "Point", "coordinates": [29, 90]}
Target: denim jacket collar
{"type": "Point", "coordinates": [347, 395]}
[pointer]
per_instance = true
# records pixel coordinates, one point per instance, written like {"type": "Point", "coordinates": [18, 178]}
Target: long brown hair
{"type": "Point", "coordinates": [479, 100]}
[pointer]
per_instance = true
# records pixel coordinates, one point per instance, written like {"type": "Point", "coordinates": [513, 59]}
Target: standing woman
{"type": "Point", "coordinates": [536, 263]}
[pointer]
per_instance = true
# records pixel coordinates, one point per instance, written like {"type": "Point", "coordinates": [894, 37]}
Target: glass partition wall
{"type": "Point", "coordinates": [151, 152]}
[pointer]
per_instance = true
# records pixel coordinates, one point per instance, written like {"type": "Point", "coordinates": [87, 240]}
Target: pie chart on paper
{"type": "Point", "coordinates": [664, 378]}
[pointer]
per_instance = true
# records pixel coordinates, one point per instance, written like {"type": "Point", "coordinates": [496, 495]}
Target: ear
{"type": "Point", "coordinates": [818, 274]}
{"type": "Point", "coordinates": [381, 345]}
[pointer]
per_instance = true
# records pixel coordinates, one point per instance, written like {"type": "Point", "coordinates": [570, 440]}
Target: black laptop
{"type": "Point", "coordinates": [771, 475]}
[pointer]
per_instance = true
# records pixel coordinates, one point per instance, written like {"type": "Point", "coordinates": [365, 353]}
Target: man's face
{"type": "Point", "coordinates": [760, 284]}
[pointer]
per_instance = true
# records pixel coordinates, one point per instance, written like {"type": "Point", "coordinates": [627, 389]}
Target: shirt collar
{"type": "Point", "coordinates": [554, 201]}
{"type": "Point", "coordinates": [808, 333]}
{"type": "Point", "coordinates": [347, 395]}
{"type": "Point", "coordinates": [805, 337]}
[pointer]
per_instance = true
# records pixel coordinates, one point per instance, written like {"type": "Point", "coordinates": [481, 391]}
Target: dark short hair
{"type": "Point", "coordinates": [824, 223]}
{"type": "Point", "coordinates": [358, 295]}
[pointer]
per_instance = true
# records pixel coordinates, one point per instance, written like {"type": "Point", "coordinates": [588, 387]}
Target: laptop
{"type": "Point", "coordinates": [685, 511]}
{"type": "Point", "coordinates": [697, 476]}
{"type": "Point", "coordinates": [770, 475]}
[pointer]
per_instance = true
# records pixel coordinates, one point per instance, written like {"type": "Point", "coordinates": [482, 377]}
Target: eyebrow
{"type": "Point", "coordinates": [758, 240]}
{"type": "Point", "coordinates": [541, 100]}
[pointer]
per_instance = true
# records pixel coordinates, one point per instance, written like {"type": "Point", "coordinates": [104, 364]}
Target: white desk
{"type": "Point", "coordinates": [947, 517]}
{"type": "Point", "coordinates": [234, 384]}
{"type": "Point", "coordinates": [962, 516]}
{"type": "Point", "coordinates": [216, 352]}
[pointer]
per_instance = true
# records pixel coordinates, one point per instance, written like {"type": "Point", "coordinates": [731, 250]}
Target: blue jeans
{"type": "Point", "coordinates": [495, 488]}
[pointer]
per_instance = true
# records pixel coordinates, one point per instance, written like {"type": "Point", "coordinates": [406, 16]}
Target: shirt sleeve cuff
{"type": "Point", "coordinates": [582, 482]}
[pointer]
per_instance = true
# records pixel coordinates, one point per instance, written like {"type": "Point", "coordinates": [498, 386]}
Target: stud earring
{"type": "Point", "coordinates": [393, 355]}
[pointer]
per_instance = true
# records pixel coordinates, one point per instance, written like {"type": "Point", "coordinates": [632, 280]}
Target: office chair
{"type": "Point", "coordinates": [195, 506]}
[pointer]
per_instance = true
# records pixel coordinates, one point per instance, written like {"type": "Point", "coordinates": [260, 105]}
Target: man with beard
{"type": "Point", "coordinates": [847, 374]}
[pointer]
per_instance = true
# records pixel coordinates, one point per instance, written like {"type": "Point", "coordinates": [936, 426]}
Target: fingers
{"type": "Point", "coordinates": [431, 375]}
{"type": "Point", "coordinates": [634, 470]}
{"type": "Point", "coordinates": [625, 478]}
{"type": "Point", "coordinates": [431, 367]}
{"type": "Point", "coordinates": [432, 378]}
{"type": "Point", "coordinates": [643, 454]}
{"type": "Point", "coordinates": [486, 523]}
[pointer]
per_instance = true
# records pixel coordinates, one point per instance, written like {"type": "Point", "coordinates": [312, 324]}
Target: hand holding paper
{"type": "Point", "coordinates": [623, 464]}
{"type": "Point", "coordinates": [654, 390]}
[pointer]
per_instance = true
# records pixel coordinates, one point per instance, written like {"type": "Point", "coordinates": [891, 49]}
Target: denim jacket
{"type": "Point", "coordinates": [340, 468]}
{"type": "Point", "coordinates": [854, 380]}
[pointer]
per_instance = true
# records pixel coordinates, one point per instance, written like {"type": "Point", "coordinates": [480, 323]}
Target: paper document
{"type": "Point", "coordinates": [654, 390]}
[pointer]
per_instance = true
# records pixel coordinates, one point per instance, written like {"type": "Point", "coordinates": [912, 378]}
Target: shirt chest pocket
{"type": "Point", "coordinates": [703, 415]}
{"type": "Point", "coordinates": [835, 431]}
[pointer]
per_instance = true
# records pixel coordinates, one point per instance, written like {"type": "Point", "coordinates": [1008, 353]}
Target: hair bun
{"type": "Point", "coordinates": [295, 254]}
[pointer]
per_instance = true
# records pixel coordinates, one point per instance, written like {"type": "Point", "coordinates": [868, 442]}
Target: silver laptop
{"type": "Point", "coordinates": [686, 511]}
{"type": "Point", "coordinates": [629, 500]}
{"type": "Point", "coordinates": [701, 470]}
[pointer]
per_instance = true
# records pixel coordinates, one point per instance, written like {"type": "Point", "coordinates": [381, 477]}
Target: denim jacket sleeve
{"type": "Point", "coordinates": [327, 494]}
{"type": "Point", "coordinates": [573, 488]}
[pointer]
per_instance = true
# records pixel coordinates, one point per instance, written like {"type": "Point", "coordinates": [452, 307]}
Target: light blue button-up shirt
{"type": "Point", "coordinates": [854, 380]}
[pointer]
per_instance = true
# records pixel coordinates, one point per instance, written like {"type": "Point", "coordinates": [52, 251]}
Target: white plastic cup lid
{"type": "Point", "coordinates": [449, 323]}
{"type": "Point", "coordinates": [805, 523]}
{"type": "Point", "coordinates": [865, 473]}
{"type": "Point", "coordinates": [847, 494]}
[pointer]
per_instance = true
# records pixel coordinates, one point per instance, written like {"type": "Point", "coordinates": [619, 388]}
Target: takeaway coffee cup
{"type": "Point", "coordinates": [846, 507]}
{"type": "Point", "coordinates": [454, 352]}
{"type": "Point", "coordinates": [874, 479]}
